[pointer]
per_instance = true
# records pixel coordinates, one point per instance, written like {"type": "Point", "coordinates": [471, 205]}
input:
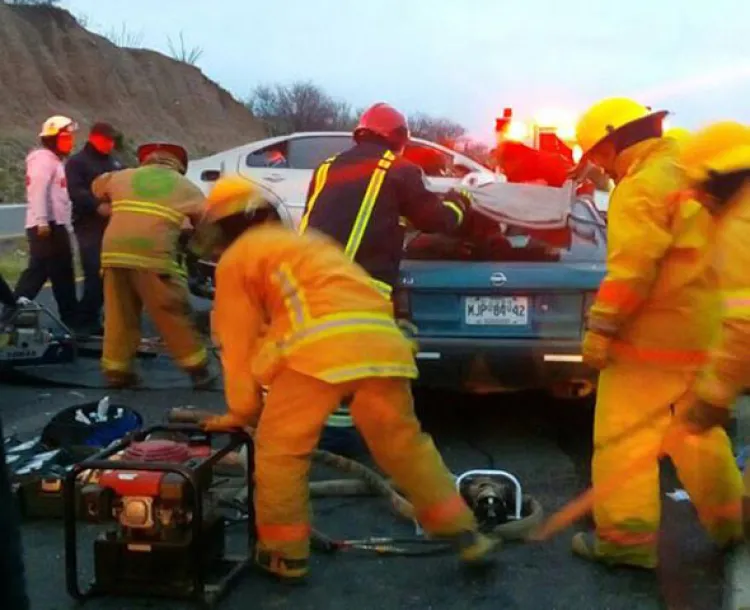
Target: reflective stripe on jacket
{"type": "Point", "coordinates": [363, 197]}
{"type": "Point", "coordinates": [150, 207]}
{"type": "Point", "coordinates": [728, 369]}
{"type": "Point", "coordinates": [658, 298]}
{"type": "Point", "coordinates": [289, 300]}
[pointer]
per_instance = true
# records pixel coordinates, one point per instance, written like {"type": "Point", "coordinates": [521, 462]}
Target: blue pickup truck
{"type": "Point", "coordinates": [508, 317]}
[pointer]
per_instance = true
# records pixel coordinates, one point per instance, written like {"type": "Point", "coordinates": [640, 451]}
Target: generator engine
{"type": "Point", "coordinates": [149, 505]}
{"type": "Point", "coordinates": [166, 534]}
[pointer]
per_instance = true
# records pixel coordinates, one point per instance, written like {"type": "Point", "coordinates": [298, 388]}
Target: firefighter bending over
{"type": "Point", "coordinates": [649, 330]}
{"type": "Point", "coordinates": [150, 206]}
{"type": "Point", "coordinates": [320, 309]}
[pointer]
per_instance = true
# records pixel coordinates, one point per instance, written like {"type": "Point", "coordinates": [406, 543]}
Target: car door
{"type": "Point", "coordinates": [306, 153]}
{"type": "Point", "coordinates": [287, 167]}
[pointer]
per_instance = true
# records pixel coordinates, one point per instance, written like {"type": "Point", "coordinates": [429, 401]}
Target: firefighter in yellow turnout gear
{"type": "Point", "coordinates": [150, 205]}
{"type": "Point", "coordinates": [293, 313]}
{"type": "Point", "coordinates": [717, 162]}
{"type": "Point", "coordinates": [648, 331]}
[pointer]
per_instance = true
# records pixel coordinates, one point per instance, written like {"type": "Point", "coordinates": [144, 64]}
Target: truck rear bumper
{"type": "Point", "coordinates": [495, 365]}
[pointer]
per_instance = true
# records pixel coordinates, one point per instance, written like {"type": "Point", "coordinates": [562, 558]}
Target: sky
{"type": "Point", "coordinates": [464, 59]}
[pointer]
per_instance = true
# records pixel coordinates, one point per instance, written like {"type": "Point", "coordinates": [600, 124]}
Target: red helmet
{"type": "Point", "coordinates": [387, 122]}
{"type": "Point", "coordinates": [177, 151]}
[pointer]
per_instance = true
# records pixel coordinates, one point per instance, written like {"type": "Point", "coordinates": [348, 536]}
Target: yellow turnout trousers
{"type": "Point", "coordinates": [627, 521]}
{"type": "Point", "coordinates": [291, 421]}
{"type": "Point", "coordinates": [126, 293]}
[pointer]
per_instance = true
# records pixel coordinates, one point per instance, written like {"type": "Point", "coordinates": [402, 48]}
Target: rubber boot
{"type": "Point", "coordinates": [288, 571]}
{"type": "Point", "coordinates": [202, 377]}
{"type": "Point", "coordinates": [117, 380]}
{"type": "Point", "coordinates": [584, 545]}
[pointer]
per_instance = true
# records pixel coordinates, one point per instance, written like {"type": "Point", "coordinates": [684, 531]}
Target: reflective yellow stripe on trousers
{"type": "Point", "coordinates": [320, 181]}
{"type": "Point", "coordinates": [736, 304]}
{"type": "Point", "coordinates": [368, 204]}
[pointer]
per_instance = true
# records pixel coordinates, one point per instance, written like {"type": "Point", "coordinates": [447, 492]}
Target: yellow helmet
{"type": "Point", "coordinates": [720, 148]}
{"type": "Point", "coordinates": [606, 117]}
{"type": "Point", "coordinates": [677, 133]}
{"type": "Point", "coordinates": [231, 195]}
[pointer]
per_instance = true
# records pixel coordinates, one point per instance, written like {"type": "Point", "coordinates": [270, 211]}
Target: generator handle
{"type": "Point", "coordinates": [496, 473]}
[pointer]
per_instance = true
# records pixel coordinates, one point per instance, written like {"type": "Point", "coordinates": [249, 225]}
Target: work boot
{"type": "Point", "coordinates": [117, 380]}
{"type": "Point", "coordinates": [288, 571]}
{"type": "Point", "coordinates": [474, 548]}
{"type": "Point", "coordinates": [584, 544]}
{"type": "Point", "coordinates": [202, 377]}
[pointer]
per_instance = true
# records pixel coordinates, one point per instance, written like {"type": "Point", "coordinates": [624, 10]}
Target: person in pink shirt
{"type": "Point", "coordinates": [48, 219]}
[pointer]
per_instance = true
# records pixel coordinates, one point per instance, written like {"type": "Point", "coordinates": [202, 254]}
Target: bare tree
{"type": "Point", "coordinates": [181, 52]}
{"type": "Point", "coordinates": [124, 37]}
{"type": "Point", "coordinates": [300, 106]}
{"type": "Point", "coordinates": [440, 130]}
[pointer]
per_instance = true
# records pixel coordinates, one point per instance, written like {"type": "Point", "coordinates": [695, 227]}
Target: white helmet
{"type": "Point", "coordinates": [55, 124]}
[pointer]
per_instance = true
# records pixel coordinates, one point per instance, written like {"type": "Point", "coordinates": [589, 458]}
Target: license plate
{"type": "Point", "coordinates": [497, 311]}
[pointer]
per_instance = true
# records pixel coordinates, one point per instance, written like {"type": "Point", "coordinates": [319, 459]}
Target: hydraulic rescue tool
{"type": "Point", "coordinates": [499, 504]}
{"type": "Point", "coordinates": [33, 335]}
{"type": "Point", "coordinates": [495, 496]}
{"type": "Point", "coordinates": [169, 536]}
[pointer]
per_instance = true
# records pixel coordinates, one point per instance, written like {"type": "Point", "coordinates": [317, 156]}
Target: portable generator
{"type": "Point", "coordinates": [33, 335]}
{"type": "Point", "coordinates": [167, 535]}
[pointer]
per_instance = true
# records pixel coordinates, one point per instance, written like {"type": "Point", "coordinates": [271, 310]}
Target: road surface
{"type": "Point", "coordinates": [545, 443]}
{"type": "Point", "coordinates": [12, 216]}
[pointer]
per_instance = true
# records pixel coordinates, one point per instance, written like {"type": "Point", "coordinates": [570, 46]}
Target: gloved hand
{"type": "Point", "coordinates": [222, 423]}
{"type": "Point", "coordinates": [701, 416]}
{"type": "Point", "coordinates": [595, 349]}
{"type": "Point", "coordinates": [23, 301]}
{"type": "Point", "coordinates": [460, 197]}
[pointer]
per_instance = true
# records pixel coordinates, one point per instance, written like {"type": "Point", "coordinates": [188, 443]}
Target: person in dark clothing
{"type": "Point", "coordinates": [12, 573]}
{"type": "Point", "coordinates": [363, 197]}
{"type": "Point", "coordinates": [90, 218]}
{"type": "Point", "coordinates": [48, 219]}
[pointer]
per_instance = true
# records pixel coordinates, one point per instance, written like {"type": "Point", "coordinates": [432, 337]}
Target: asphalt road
{"type": "Point", "coordinates": [12, 219]}
{"type": "Point", "coordinates": [544, 442]}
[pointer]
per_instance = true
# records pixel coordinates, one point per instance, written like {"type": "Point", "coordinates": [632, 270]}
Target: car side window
{"type": "Point", "coordinates": [435, 163]}
{"type": "Point", "coordinates": [308, 153]}
{"type": "Point", "coordinates": [271, 156]}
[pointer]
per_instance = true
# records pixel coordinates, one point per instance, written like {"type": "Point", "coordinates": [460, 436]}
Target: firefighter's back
{"type": "Point", "coordinates": [150, 206]}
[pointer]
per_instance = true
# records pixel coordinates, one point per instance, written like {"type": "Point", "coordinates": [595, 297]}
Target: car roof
{"type": "Point", "coordinates": [256, 144]}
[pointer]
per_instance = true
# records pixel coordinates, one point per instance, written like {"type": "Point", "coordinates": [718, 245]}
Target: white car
{"type": "Point", "coordinates": [285, 166]}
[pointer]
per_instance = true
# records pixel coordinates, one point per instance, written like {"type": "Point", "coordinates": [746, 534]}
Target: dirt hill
{"type": "Point", "coordinates": [49, 64]}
